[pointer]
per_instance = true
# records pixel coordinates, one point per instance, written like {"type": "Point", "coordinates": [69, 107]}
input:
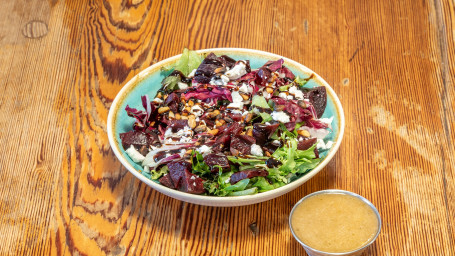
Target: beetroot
{"type": "Point", "coordinates": [138, 139]}
{"type": "Point", "coordinates": [247, 174]}
{"type": "Point", "coordinates": [241, 144]}
{"type": "Point", "coordinates": [217, 159]}
{"type": "Point", "coordinates": [261, 132]}
{"type": "Point", "coordinates": [306, 144]}
{"type": "Point", "coordinates": [318, 98]}
{"type": "Point", "coordinates": [180, 177]}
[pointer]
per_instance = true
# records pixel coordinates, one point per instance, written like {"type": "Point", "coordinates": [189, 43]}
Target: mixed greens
{"type": "Point", "coordinates": [217, 127]}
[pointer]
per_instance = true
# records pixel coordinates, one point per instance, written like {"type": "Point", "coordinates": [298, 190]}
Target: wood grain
{"type": "Point", "coordinates": [62, 63]}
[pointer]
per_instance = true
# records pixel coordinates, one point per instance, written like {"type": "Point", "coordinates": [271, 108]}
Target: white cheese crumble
{"type": "Point", "coordinates": [204, 150]}
{"type": "Point", "coordinates": [182, 86]}
{"type": "Point", "coordinates": [266, 95]}
{"type": "Point", "coordinates": [244, 88]}
{"type": "Point", "coordinates": [280, 116]}
{"type": "Point", "coordinates": [290, 97]}
{"type": "Point", "coordinates": [256, 150]}
{"type": "Point", "coordinates": [237, 71]}
{"type": "Point", "coordinates": [322, 145]}
{"type": "Point", "coordinates": [194, 184]}
{"type": "Point", "coordinates": [236, 97]}
{"type": "Point", "coordinates": [193, 177]}
{"type": "Point", "coordinates": [158, 101]}
{"type": "Point", "coordinates": [134, 154]}
{"type": "Point", "coordinates": [298, 94]}
{"type": "Point", "coordinates": [192, 73]}
{"type": "Point", "coordinates": [283, 95]}
{"type": "Point", "coordinates": [197, 111]}
{"type": "Point", "coordinates": [222, 81]}
{"type": "Point", "coordinates": [238, 105]}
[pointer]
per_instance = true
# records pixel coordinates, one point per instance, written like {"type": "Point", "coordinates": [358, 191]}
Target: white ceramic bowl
{"type": "Point", "coordinates": [149, 81]}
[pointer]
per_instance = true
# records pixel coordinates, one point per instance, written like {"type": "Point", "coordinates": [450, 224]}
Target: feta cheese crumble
{"type": "Point", "coordinates": [236, 97]}
{"type": "Point", "coordinates": [298, 94]}
{"type": "Point", "coordinates": [204, 150]}
{"type": "Point", "coordinates": [256, 150]}
{"type": "Point", "coordinates": [244, 88]}
{"type": "Point", "coordinates": [237, 71]}
{"type": "Point", "coordinates": [134, 154]}
{"type": "Point", "coordinates": [280, 116]}
{"type": "Point", "coordinates": [182, 86]}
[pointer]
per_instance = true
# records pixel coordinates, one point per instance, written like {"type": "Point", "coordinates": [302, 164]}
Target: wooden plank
{"type": "Point", "coordinates": [62, 63]}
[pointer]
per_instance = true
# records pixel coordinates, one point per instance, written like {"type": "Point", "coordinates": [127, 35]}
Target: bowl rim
{"type": "Point", "coordinates": [344, 192]}
{"type": "Point", "coordinates": [214, 200]}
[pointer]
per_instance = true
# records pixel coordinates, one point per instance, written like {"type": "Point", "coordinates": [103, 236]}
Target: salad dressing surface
{"type": "Point", "coordinates": [334, 222]}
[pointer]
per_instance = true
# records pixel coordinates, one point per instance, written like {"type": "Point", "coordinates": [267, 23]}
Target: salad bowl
{"type": "Point", "coordinates": [148, 82]}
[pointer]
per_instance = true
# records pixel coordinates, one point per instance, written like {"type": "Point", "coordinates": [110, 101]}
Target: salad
{"type": "Point", "coordinates": [218, 127]}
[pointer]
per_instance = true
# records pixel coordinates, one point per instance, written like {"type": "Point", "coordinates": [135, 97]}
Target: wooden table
{"type": "Point", "coordinates": [63, 62]}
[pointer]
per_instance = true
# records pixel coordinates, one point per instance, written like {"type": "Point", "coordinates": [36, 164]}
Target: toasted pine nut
{"type": "Point", "coordinates": [177, 116]}
{"type": "Point", "coordinates": [249, 132]}
{"type": "Point", "coordinates": [245, 97]}
{"type": "Point", "coordinates": [304, 133]}
{"type": "Point", "coordinates": [190, 103]}
{"type": "Point", "coordinates": [269, 90]}
{"type": "Point", "coordinates": [163, 110]}
{"type": "Point", "coordinates": [214, 131]}
{"type": "Point", "coordinates": [191, 122]}
{"type": "Point", "coordinates": [171, 114]}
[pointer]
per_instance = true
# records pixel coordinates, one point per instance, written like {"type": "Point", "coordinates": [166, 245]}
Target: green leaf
{"type": "Point", "coordinates": [241, 185]}
{"type": "Point", "coordinates": [188, 61]}
{"type": "Point", "coordinates": [266, 117]}
{"type": "Point", "coordinates": [245, 192]}
{"type": "Point", "coordinates": [199, 166]}
{"type": "Point", "coordinates": [263, 185]}
{"type": "Point", "coordinates": [301, 81]}
{"type": "Point", "coordinates": [156, 174]}
{"type": "Point", "coordinates": [171, 83]}
{"type": "Point", "coordinates": [284, 88]}
{"type": "Point", "coordinates": [249, 161]}
{"type": "Point", "coordinates": [260, 102]}
{"type": "Point", "coordinates": [194, 60]}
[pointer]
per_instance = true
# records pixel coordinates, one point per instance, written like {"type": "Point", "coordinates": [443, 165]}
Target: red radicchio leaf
{"type": "Point", "coordinates": [274, 66]}
{"type": "Point", "coordinates": [204, 93]}
{"type": "Point", "coordinates": [141, 117]}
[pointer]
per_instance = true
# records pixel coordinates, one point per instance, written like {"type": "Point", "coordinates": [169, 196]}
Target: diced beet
{"type": "Point", "coordinates": [227, 61]}
{"type": "Point", "coordinates": [261, 132]}
{"type": "Point", "coordinates": [262, 76]}
{"type": "Point", "coordinates": [287, 73]}
{"type": "Point", "coordinates": [222, 142]}
{"type": "Point", "coordinates": [206, 70]}
{"type": "Point", "coordinates": [138, 139]}
{"type": "Point", "coordinates": [172, 101]}
{"type": "Point", "coordinates": [271, 163]}
{"type": "Point", "coordinates": [232, 129]}
{"type": "Point", "coordinates": [183, 179]}
{"type": "Point", "coordinates": [192, 184]}
{"type": "Point", "coordinates": [217, 159]}
{"type": "Point", "coordinates": [318, 98]}
{"type": "Point", "coordinates": [166, 181]}
{"type": "Point", "coordinates": [247, 174]}
{"type": "Point", "coordinates": [306, 144]}
{"type": "Point", "coordinates": [177, 124]}
{"type": "Point", "coordinates": [241, 144]}
{"type": "Point", "coordinates": [275, 65]}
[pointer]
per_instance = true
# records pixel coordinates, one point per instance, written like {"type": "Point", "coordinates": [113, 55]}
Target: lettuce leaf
{"type": "Point", "coordinates": [188, 61]}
